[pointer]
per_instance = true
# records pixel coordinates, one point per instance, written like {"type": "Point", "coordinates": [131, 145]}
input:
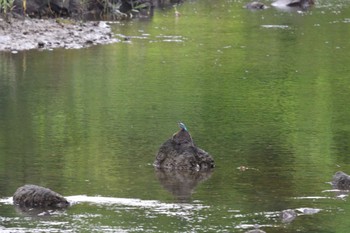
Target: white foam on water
{"type": "Point", "coordinates": [165, 208]}
{"type": "Point", "coordinates": [311, 197]}
{"type": "Point", "coordinates": [308, 211]}
{"type": "Point", "coordinates": [6, 200]}
{"type": "Point", "coordinates": [170, 209]}
{"type": "Point", "coordinates": [129, 202]}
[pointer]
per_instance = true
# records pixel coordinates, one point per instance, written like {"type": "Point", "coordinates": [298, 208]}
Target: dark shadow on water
{"type": "Point", "coordinates": [181, 183]}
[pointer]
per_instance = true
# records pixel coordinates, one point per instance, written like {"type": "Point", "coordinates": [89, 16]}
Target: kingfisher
{"type": "Point", "coordinates": [182, 126]}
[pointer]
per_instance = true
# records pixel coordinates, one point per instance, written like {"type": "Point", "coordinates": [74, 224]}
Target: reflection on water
{"type": "Point", "coordinates": [265, 90]}
{"type": "Point", "coordinates": [181, 183]}
{"type": "Point", "coordinates": [151, 208]}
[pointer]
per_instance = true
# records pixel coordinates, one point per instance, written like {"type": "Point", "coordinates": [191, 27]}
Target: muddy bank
{"type": "Point", "coordinates": [24, 34]}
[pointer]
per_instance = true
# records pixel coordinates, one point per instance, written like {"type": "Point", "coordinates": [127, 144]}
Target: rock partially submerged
{"type": "Point", "coordinates": [303, 4]}
{"type": "Point", "coordinates": [341, 180]}
{"type": "Point", "coordinates": [255, 231]}
{"type": "Point", "coordinates": [255, 5]}
{"type": "Point", "coordinates": [33, 196]}
{"type": "Point", "coordinates": [179, 152]}
{"type": "Point", "coordinates": [287, 216]}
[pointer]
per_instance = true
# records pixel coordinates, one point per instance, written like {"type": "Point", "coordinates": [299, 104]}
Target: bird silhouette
{"type": "Point", "coordinates": [182, 126]}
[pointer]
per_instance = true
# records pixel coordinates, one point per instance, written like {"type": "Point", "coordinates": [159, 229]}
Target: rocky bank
{"type": "Point", "coordinates": [26, 33]}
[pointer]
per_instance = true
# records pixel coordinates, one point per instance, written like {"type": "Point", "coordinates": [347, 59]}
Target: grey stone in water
{"type": "Point", "coordinates": [304, 4]}
{"type": "Point", "coordinates": [41, 44]}
{"type": "Point", "coordinates": [34, 196]}
{"type": "Point", "coordinates": [341, 180]}
{"type": "Point", "coordinates": [255, 5]}
{"type": "Point", "coordinates": [288, 216]}
{"type": "Point", "coordinates": [294, 3]}
{"type": "Point", "coordinates": [179, 152]}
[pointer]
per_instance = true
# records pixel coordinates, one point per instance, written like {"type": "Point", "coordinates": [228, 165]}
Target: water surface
{"type": "Point", "coordinates": [263, 91]}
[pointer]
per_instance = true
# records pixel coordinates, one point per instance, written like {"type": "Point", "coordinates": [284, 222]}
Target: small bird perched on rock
{"type": "Point", "coordinates": [182, 126]}
{"type": "Point", "coordinates": [180, 153]}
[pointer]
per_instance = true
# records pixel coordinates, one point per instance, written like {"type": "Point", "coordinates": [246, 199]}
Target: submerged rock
{"type": "Point", "coordinates": [179, 152]}
{"type": "Point", "coordinates": [304, 4]}
{"type": "Point", "coordinates": [47, 7]}
{"type": "Point", "coordinates": [255, 5]}
{"type": "Point", "coordinates": [34, 196]}
{"type": "Point", "coordinates": [341, 180]}
{"type": "Point", "coordinates": [294, 3]}
{"type": "Point", "coordinates": [287, 216]}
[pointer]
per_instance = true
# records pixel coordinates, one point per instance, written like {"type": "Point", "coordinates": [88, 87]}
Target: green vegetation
{"type": "Point", "coordinates": [6, 6]}
{"type": "Point", "coordinates": [115, 9]}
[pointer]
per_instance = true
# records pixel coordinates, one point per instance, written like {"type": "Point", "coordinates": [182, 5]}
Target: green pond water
{"type": "Point", "coordinates": [264, 91]}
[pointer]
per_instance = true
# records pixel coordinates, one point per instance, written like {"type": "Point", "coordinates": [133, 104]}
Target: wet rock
{"type": "Point", "coordinates": [294, 3]}
{"type": "Point", "coordinates": [287, 216]}
{"type": "Point", "coordinates": [41, 44]}
{"type": "Point", "coordinates": [179, 152]}
{"type": "Point", "coordinates": [303, 4]}
{"type": "Point", "coordinates": [33, 196]}
{"type": "Point", "coordinates": [341, 181]}
{"type": "Point", "coordinates": [255, 6]}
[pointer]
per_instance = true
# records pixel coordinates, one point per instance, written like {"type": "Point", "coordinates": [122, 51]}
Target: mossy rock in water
{"type": "Point", "coordinates": [34, 196]}
{"type": "Point", "coordinates": [287, 216]}
{"type": "Point", "coordinates": [179, 152]}
{"type": "Point", "coordinates": [341, 180]}
{"type": "Point", "coordinates": [255, 5]}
